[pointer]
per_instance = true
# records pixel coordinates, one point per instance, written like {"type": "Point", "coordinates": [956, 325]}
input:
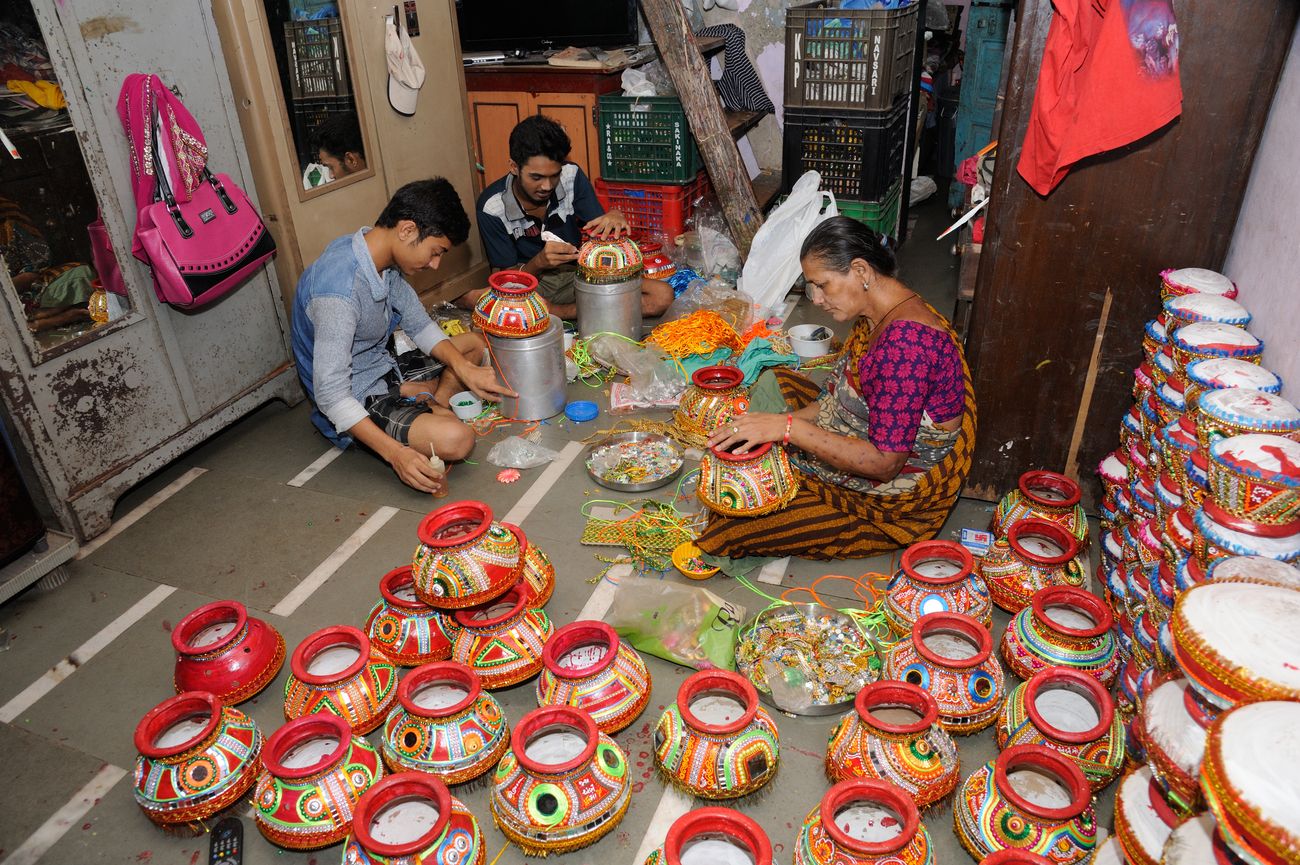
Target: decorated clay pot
{"type": "Point", "coordinates": [412, 819]}
{"type": "Point", "coordinates": [1250, 569]}
{"type": "Point", "coordinates": [337, 670]}
{"type": "Point", "coordinates": [445, 724]}
{"type": "Point", "coordinates": [405, 630]}
{"type": "Point", "coordinates": [1206, 339]}
{"type": "Point", "coordinates": [1046, 496]}
{"type": "Point", "coordinates": [756, 482]}
{"type": "Point", "coordinates": [1070, 712]}
{"type": "Point", "coordinates": [1188, 309]}
{"type": "Point", "coordinates": [562, 785]}
{"type": "Point", "coordinates": [502, 640]}
{"type": "Point", "coordinates": [1220, 534]}
{"type": "Point", "coordinates": [511, 306]}
{"type": "Point", "coordinates": [1177, 444]}
{"type": "Point", "coordinates": [1251, 781]}
{"type": "Point", "coordinates": [935, 577]}
{"type": "Point", "coordinates": [863, 822]}
{"type": "Point", "coordinates": [1257, 477]}
{"type": "Point", "coordinates": [1012, 856]}
{"type": "Point", "coordinates": [1174, 738]}
{"type": "Point", "coordinates": [1210, 625]}
{"type": "Point", "coordinates": [587, 666]}
{"type": "Point", "coordinates": [224, 651]}
{"type": "Point", "coordinates": [1035, 554]}
{"type": "Point", "coordinates": [1191, 843]}
{"type": "Point", "coordinates": [609, 260]}
{"type": "Point", "coordinates": [1143, 820]}
{"type": "Point", "coordinates": [196, 757]}
{"type": "Point", "coordinates": [715, 396]}
{"type": "Point", "coordinates": [464, 557]}
{"type": "Point", "coordinates": [1154, 338]}
{"type": "Point", "coordinates": [1237, 411]}
{"type": "Point", "coordinates": [1062, 627]}
{"type": "Point", "coordinates": [1031, 798]}
{"type": "Point", "coordinates": [716, 742]}
{"type": "Point", "coordinates": [314, 771]}
{"type": "Point", "coordinates": [713, 836]}
{"type": "Point", "coordinates": [1195, 280]}
{"type": "Point", "coordinates": [893, 734]}
{"type": "Point", "coordinates": [539, 573]}
{"type": "Point", "coordinates": [1220, 373]}
{"type": "Point", "coordinates": [951, 656]}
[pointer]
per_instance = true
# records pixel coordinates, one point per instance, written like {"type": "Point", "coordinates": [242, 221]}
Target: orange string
{"type": "Point", "coordinates": [698, 333]}
{"type": "Point", "coordinates": [868, 588]}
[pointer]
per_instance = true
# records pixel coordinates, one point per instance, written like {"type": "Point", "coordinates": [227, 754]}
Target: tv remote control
{"type": "Point", "coordinates": [226, 844]}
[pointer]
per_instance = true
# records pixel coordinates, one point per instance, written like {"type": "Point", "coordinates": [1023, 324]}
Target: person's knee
{"type": "Point", "coordinates": [656, 296]}
{"type": "Point", "coordinates": [457, 442]}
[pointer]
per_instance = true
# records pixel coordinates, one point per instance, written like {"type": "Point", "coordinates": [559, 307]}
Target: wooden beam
{"type": "Point", "coordinates": [672, 33]}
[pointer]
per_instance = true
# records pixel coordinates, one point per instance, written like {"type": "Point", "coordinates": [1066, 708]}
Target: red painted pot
{"type": "Point", "coordinates": [465, 558]}
{"type": "Point", "coordinates": [453, 836]}
{"type": "Point", "coordinates": [223, 650]}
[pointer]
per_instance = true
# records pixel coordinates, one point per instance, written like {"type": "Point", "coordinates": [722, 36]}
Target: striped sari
{"type": "Point", "coordinates": [829, 521]}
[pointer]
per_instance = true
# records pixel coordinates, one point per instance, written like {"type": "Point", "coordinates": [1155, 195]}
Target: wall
{"type": "Point", "coordinates": [1264, 258]}
{"type": "Point", "coordinates": [764, 24]}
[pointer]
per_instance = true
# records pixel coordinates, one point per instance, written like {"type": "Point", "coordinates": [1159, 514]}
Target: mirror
{"type": "Point", "coordinates": [311, 55]}
{"type": "Point", "coordinates": [54, 248]}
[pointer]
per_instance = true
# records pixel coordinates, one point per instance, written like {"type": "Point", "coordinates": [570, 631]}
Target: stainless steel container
{"type": "Point", "coordinates": [533, 367]}
{"type": "Point", "coordinates": [609, 307]}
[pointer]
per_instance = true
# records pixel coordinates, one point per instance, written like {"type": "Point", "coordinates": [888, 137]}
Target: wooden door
{"type": "Point", "coordinates": [1067, 281]}
{"type": "Point", "coordinates": [574, 111]}
{"type": "Point", "coordinates": [491, 117]}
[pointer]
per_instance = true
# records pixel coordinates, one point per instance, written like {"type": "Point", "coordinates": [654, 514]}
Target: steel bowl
{"type": "Point", "coordinates": [640, 486]}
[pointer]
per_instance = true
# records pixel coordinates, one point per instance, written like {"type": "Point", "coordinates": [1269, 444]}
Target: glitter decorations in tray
{"type": "Point", "coordinates": [634, 462]}
{"type": "Point", "coordinates": [806, 659]}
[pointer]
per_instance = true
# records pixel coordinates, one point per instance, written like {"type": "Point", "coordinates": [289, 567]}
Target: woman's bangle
{"type": "Point", "coordinates": [789, 422]}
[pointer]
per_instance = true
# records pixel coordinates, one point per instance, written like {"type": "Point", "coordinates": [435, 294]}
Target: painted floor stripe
{"type": "Point", "coordinates": [333, 562]}
{"type": "Point", "coordinates": [82, 654]}
{"type": "Point", "coordinates": [135, 515]}
{"type": "Point", "coordinates": [543, 484]}
{"type": "Point", "coordinates": [773, 573]}
{"type": "Point", "coordinates": [40, 841]}
{"type": "Point", "coordinates": [315, 468]}
{"type": "Point", "coordinates": [601, 599]}
{"type": "Point", "coordinates": [673, 804]}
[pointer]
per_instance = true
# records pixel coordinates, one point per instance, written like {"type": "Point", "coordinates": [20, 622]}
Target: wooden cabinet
{"type": "Point", "coordinates": [501, 96]}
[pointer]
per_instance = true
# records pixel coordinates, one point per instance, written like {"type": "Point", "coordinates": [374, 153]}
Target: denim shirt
{"type": "Point", "coordinates": [343, 314]}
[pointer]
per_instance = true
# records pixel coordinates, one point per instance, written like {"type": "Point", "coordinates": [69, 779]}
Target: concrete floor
{"type": "Point", "coordinates": [237, 529]}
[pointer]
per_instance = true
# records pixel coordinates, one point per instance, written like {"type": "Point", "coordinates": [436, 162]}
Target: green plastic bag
{"type": "Point", "coordinates": [688, 625]}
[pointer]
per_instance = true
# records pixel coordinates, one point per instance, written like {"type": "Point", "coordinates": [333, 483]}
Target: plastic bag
{"type": "Point", "coordinates": [773, 264]}
{"type": "Point", "coordinates": [652, 375]}
{"type": "Point", "coordinates": [688, 625]}
{"type": "Point", "coordinates": [519, 453]}
{"type": "Point", "coordinates": [635, 83]}
{"type": "Point", "coordinates": [717, 295]}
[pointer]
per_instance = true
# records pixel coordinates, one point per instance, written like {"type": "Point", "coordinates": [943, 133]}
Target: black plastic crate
{"type": "Point", "coordinates": [859, 154]}
{"type": "Point", "coordinates": [318, 58]}
{"type": "Point", "coordinates": [307, 115]}
{"type": "Point", "coordinates": [856, 59]}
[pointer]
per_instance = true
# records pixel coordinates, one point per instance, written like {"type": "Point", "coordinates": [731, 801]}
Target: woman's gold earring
{"type": "Point", "coordinates": [866, 286]}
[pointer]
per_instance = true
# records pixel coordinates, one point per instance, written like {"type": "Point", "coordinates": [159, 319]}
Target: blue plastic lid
{"type": "Point", "coordinates": [580, 411]}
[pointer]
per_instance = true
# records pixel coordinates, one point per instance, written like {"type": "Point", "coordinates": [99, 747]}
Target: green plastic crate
{"type": "Point", "coordinates": [646, 139]}
{"type": "Point", "coordinates": [880, 216]}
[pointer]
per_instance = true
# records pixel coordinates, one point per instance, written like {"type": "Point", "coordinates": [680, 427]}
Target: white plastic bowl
{"type": "Point", "coordinates": [805, 347]}
{"type": "Point", "coordinates": [466, 405]}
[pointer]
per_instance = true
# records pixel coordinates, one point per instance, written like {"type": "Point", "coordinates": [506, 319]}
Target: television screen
{"type": "Point", "coordinates": [503, 25]}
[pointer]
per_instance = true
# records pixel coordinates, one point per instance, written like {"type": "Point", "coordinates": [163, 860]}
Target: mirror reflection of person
{"type": "Point", "coordinates": [339, 146]}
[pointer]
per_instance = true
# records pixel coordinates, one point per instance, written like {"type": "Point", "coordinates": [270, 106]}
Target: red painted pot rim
{"type": "Point", "coordinates": [1216, 512]}
{"type": "Point", "coordinates": [515, 598]}
{"type": "Point", "coordinates": [751, 454]}
{"type": "Point", "coordinates": [299, 730]}
{"type": "Point", "coordinates": [1051, 762]}
{"type": "Point", "coordinates": [404, 785]}
{"type": "Point", "coordinates": [554, 716]}
{"type": "Point", "coordinates": [961, 624]}
{"type": "Point", "coordinates": [170, 711]}
{"type": "Point", "coordinates": [717, 377]}
{"type": "Point", "coordinates": [717, 821]}
{"type": "Point", "coordinates": [717, 680]}
{"type": "Point", "coordinates": [1048, 529]}
{"type": "Point", "coordinates": [1013, 856]}
{"type": "Point", "coordinates": [1031, 481]}
{"type": "Point", "coordinates": [649, 247]}
{"type": "Point", "coordinates": [471, 513]}
{"type": "Point", "coordinates": [209, 614]}
{"type": "Point", "coordinates": [338, 635]}
{"type": "Point", "coordinates": [1056, 676]}
{"type": "Point", "coordinates": [501, 280]}
{"type": "Point", "coordinates": [926, 551]}
{"type": "Point", "coordinates": [449, 672]}
{"type": "Point", "coordinates": [889, 695]}
{"type": "Point", "coordinates": [1069, 596]}
{"type": "Point", "coordinates": [878, 792]}
{"type": "Point", "coordinates": [396, 579]}
{"type": "Point", "coordinates": [580, 633]}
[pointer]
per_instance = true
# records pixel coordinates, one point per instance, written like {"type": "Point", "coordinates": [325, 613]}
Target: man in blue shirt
{"type": "Point", "coordinates": [544, 193]}
{"type": "Point", "coordinates": [349, 302]}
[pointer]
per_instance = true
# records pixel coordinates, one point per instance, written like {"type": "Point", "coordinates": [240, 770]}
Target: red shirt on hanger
{"type": "Point", "coordinates": [1109, 77]}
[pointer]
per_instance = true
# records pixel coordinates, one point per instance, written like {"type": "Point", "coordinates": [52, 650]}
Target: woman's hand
{"type": "Point", "coordinates": [748, 431]}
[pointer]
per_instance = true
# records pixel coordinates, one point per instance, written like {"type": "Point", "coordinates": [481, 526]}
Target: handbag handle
{"type": "Point", "coordinates": [164, 187]}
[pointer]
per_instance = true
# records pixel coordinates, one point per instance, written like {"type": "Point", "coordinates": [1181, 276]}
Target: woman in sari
{"type": "Point", "coordinates": [883, 448]}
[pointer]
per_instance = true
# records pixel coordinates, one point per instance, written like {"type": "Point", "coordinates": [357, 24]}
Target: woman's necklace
{"type": "Point", "coordinates": [871, 332]}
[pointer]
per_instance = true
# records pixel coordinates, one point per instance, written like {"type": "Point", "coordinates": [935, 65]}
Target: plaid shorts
{"type": "Point", "coordinates": [395, 413]}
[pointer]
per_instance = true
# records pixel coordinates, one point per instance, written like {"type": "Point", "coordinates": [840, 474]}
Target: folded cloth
{"type": "Point", "coordinates": [740, 87]}
{"type": "Point", "coordinates": [760, 355]}
{"type": "Point", "coordinates": [47, 94]}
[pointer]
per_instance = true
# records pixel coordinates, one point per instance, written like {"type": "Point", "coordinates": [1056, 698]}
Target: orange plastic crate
{"type": "Point", "coordinates": [653, 210]}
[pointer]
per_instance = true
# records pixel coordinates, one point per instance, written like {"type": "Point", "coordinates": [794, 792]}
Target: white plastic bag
{"type": "Point", "coordinates": [637, 83]}
{"type": "Point", "coordinates": [519, 453]}
{"type": "Point", "coordinates": [773, 264]}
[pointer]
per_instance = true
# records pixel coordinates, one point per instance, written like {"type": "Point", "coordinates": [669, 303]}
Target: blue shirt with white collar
{"type": "Point", "coordinates": [343, 313]}
{"type": "Point", "coordinates": [512, 237]}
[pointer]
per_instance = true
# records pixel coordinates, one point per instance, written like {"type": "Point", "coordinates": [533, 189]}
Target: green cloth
{"type": "Point", "coordinates": [758, 356]}
{"type": "Point", "coordinates": [70, 288]}
{"type": "Point", "coordinates": [693, 362]}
